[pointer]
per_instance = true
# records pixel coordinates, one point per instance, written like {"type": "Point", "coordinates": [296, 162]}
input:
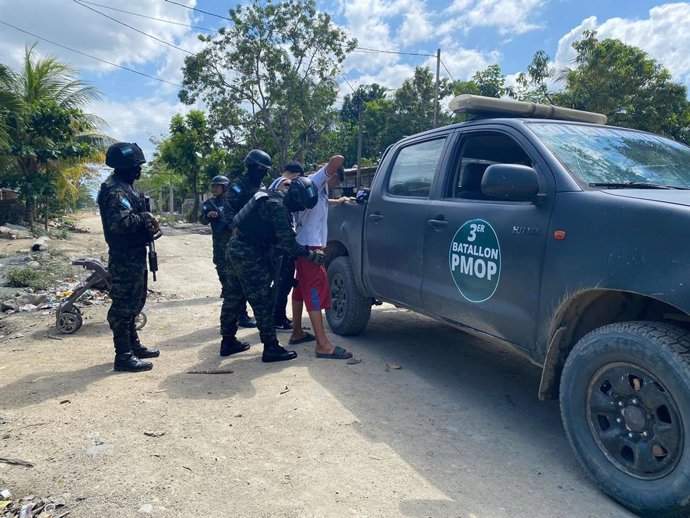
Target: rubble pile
{"type": "Point", "coordinates": [32, 506]}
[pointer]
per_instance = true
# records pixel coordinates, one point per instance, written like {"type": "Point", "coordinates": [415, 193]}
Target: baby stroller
{"type": "Point", "coordinates": [69, 319]}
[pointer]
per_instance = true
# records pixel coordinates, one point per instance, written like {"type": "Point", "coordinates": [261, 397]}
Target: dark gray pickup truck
{"type": "Point", "coordinates": [545, 230]}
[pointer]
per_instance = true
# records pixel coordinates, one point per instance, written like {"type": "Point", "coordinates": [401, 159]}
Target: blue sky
{"type": "Point", "coordinates": [472, 34]}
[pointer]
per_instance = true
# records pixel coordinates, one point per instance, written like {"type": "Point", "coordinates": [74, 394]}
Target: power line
{"type": "Point", "coordinates": [89, 55]}
{"type": "Point", "coordinates": [133, 28]}
{"type": "Point", "coordinates": [446, 68]}
{"type": "Point", "coordinates": [365, 49]}
{"type": "Point", "coordinates": [199, 10]}
{"type": "Point", "coordinates": [149, 17]}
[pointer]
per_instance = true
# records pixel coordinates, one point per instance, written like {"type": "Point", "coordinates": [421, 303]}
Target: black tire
{"type": "Point", "coordinates": [350, 312]}
{"type": "Point", "coordinates": [140, 321]}
{"type": "Point", "coordinates": [625, 404]}
{"type": "Point", "coordinates": [69, 322]}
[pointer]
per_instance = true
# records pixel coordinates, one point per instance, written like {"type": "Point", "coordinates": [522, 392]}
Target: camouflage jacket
{"type": "Point", "coordinates": [238, 194]}
{"type": "Point", "coordinates": [126, 224]}
{"type": "Point", "coordinates": [219, 225]}
{"type": "Point", "coordinates": [268, 223]}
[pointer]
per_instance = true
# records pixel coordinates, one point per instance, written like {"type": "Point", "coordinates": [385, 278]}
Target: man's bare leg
{"type": "Point", "coordinates": [323, 345]}
{"type": "Point", "coordinates": [297, 331]}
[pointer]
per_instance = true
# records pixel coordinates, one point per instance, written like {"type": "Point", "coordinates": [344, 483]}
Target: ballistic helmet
{"type": "Point", "coordinates": [301, 194]}
{"type": "Point", "coordinates": [221, 180]}
{"type": "Point", "coordinates": [124, 155]}
{"type": "Point", "coordinates": [258, 158]}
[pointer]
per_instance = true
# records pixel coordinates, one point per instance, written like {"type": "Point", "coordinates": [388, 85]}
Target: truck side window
{"type": "Point", "coordinates": [414, 169]}
{"type": "Point", "coordinates": [477, 153]}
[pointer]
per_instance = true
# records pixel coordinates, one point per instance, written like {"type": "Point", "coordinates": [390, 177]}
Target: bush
{"type": "Point", "coordinates": [38, 278]}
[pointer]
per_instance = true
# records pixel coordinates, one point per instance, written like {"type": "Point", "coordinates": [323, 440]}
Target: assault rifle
{"type": "Point", "coordinates": [153, 256]}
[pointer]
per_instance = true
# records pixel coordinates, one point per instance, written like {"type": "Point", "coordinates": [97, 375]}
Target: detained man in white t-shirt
{"type": "Point", "coordinates": [312, 281]}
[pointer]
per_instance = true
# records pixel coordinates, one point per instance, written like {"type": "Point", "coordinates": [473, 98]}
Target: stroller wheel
{"type": "Point", "coordinates": [140, 321]}
{"type": "Point", "coordinates": [68, 322]}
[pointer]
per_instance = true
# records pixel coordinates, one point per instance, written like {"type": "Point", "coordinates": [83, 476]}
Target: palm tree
{"type": "Point", "coordinates": [46, 133]}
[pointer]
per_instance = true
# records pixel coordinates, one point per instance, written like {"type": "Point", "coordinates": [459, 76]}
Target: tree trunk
{"type": "Point", "coordinates": [195, 194]}
{"type": "Point", "coordinates": [30, 211]}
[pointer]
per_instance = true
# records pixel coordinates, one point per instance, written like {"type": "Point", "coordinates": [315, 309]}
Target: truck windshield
{"type": "Point", "coordinates": [614, 158]}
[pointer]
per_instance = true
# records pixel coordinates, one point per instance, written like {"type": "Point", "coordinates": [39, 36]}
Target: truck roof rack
{"type": "Point", "coordinates": [486, 107]}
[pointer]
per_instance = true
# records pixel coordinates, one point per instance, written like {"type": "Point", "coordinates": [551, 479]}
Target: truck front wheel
{"type": "Point", "coordinates": [625, 404]}
{"type": "Point", "coordinates": [350, 311]}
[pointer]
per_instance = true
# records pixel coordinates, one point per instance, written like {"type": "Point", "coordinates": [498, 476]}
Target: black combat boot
{"type": "Point", "coordinates": [244, 320]}
{"type": "Point", "coordinates": [140, 351]}
{"type": "Point", "coordinates": [231, 345]}
{"type": "Point", "coordinates": [273, 352]}
{"type": "Point", "coordinates": [127, 362]}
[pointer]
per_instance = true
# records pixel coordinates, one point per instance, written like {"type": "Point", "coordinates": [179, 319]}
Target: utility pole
{"type": "Point", "coordinates": [359, 145]}
{"type": "Point", "coordinates": [171, 201]}
{"type": "Point", "coordinates": [436, 100]}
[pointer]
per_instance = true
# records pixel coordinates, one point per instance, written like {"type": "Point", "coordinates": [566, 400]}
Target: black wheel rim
{"type": "Point", "coordinates": [635, 421]}
{"type": "Point", "coordinates": [338, 296]}
{"type": "Point", "coordinates": [69, 322]}
{"type": "Point", "coordinates": [140, 321]}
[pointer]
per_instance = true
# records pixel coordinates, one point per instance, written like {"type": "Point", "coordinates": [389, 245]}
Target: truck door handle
{"type": "Point", "coordinates": [376, 216]}
{"type": "Point", "coordinates": [437, 224]}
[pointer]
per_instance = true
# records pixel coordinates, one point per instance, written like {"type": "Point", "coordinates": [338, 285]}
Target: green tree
{"type": "Point", "coordinates": [349, 112]}
{"type": "Point", "coordinates": [48, 137]}
{"type": "Point", "coordinates": [414, 102]}
{"type": "Point", "coordinates": [271, 74]}
{"type": "Point", "coordinates": [532, 85]}
{"type": "Point", "coordinates": [491, 82]}
{"type": "Point", "coordinates": [189, 152]}
{"type": "Point", "coordinates": [628, 86]}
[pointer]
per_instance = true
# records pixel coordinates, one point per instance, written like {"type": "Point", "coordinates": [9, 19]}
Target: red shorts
{"type": "Point", "coordinates": [312, 284]}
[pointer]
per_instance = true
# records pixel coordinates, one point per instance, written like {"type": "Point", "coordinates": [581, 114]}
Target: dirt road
{"type": "Point", "coordinates": [457, 431]}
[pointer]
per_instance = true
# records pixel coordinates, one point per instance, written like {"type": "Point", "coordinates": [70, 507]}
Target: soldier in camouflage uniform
{"type": "Point", "coordinates": [258, 165]}
{"type": "Point", "coordinates": [263, 223]}
{"type": "Point", "coordinates": [127, 228]}
{"type": "Point", "coordinates": [212, 212]}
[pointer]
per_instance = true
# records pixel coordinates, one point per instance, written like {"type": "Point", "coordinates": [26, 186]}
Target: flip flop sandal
{"type": "Point", "coordinates": [338, 354]}
{"type": "Point", "coordinates": [308, 337]}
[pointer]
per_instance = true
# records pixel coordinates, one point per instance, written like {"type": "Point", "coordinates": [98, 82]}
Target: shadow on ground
{"type": "Point", "coordinates": [478, 410]}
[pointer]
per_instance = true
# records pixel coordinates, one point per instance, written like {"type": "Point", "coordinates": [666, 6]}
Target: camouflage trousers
{"type": "Point", "coordinates": [249, 274]}
{"type": "Point", "coordinates": [127, 268]}
{"type": "Point", "coordinates": [220, 242]}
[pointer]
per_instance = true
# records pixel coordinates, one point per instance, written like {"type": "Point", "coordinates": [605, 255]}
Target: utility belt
{"type": "Point", "coordinates": [128, 241]}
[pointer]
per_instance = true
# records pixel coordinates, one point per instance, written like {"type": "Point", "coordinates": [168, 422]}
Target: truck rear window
{"type": "Point", "coordinates": [414, 169]}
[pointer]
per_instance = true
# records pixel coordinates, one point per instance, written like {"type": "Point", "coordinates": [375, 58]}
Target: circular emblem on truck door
{"type": "Point", "coordinates": [474, 259]}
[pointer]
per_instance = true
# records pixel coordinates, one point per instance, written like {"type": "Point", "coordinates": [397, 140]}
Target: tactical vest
{"type": "Point", "coordinates": [252, 227]}
{"type": "Point", "coordinates": [115, 240]}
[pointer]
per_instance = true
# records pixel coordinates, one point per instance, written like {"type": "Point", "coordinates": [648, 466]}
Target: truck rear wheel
{"type": "Point", "coordinates": [625, 404]}
{"type": "Point", "coordinates": [350, 312]}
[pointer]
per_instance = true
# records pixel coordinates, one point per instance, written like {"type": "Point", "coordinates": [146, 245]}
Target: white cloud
{"type": "Point", "coordinates": [416, 25]}
{"type": "Point", "coordinates": [508, 16]}
{"type": "Point", "coordinates": [663, 35]}
{"type": "Point", "coordinates": [138, 120]}
{"type": "Point", "coordinates": [78, 27]}
{"type": "Point", "coordinates": [463, 63]}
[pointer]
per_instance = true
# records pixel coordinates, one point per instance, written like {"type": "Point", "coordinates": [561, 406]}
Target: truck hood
{"type": "Point", "coordinates": [676, 197]}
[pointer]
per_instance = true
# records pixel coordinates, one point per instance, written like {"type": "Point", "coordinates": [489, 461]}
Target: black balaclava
{"type": "Point", "coordinates": [255, 174]}
{"type": "Point", "coordinates": [129, 175]}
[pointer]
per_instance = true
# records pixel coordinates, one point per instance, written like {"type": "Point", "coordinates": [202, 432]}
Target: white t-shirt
{"type": "Point", "coordinates": [277, 183]}
{"type": "Point", "coordinates": [312, 224]}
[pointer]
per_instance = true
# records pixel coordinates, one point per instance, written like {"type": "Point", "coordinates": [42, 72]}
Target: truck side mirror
{"type": "Point", "coordinates": [510, 182]}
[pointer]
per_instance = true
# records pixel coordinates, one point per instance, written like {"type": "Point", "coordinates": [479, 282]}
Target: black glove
{"type": "Point", "coordinates": [316, 257]}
